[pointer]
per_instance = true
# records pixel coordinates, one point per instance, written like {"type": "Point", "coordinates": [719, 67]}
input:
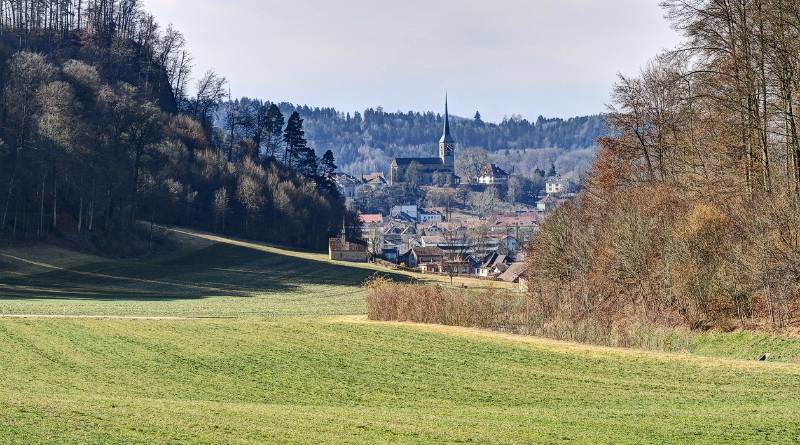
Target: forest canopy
{"type": "Point", "coordinates": [98, 132]}
{"type": "Point", "coordinates": [366, 142]}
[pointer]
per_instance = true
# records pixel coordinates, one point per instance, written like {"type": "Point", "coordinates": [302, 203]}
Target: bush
{"type": "Point", "coordinates": [388, 300]}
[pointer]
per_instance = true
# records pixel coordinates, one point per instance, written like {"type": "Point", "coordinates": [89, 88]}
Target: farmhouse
{"type": "Point", "coordinates": [425, 256]}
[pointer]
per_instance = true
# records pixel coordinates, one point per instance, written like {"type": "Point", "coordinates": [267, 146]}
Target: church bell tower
{"type": "Point", "coordinates": [447, 145]}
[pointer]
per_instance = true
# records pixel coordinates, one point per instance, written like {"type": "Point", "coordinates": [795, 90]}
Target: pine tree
{"type": "Point", "coordinates": [294, 140]}
{"type": "Point", "coordinates": [307, 162]}
{"type": "Point", "coordinates": [328, 164]}
{"type": "Point", "coordinates": [273, 129]}
{"type": "Point", "coordinates": [478, 119]}
{"type": "Point", "coordinates": [553, 171]}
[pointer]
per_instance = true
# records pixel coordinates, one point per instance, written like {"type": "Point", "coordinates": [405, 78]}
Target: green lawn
{"type": "Point", "coordinates": [208, 280]}
{"type": "Point", "coordinates": [294, 361]}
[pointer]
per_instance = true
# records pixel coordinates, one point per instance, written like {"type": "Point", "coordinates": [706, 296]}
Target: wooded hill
{"type": "Point", "coordinates": [97, 132]}
{"type": "Point", "coordinates": [365, 142]}
{"type": "Point", "coordinates": [691, 214]}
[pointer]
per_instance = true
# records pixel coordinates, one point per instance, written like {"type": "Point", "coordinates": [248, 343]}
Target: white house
{"type": "Point", "coordinates": [429, 216]}
{"type": "Point", "coordinates": [556, 185]}
{"type": "Point", "coordinates": [493, 175]}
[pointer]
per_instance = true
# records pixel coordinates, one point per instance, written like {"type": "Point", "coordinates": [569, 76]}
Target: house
{"type": "Point", "coordinates": [410, 211]}
{"type": "Point", "coordinates": [432, 241]}
{"type": "Point", "coordinates": [348, 186]}
{"type": "Point", "coordinates": [457, 267]}
{"type": "Point", "coordinates": [493, 265]}
{"type": "Point", "coordinates": [370, 219]}
{"type": "Point", "coordinates": [556, 185]}
{"type": "Point", "coordinates": [375, 180]}
{"type": "Point", "coordinates": [515, 274]}
{"type": "Point", "coordinates": [390, 252]}
{"type": "Point", "coordinates": [397, 233]}
{"type": "Point", "coordinates": [433, 230]}
{"type": "Point", "coordinates": [425, 255]}
{"type": "Point", "coordinates": [429, 216]}
{"type": "Point", "coordinates": [548, 204]}
{"type": "Point", "coordinates": [518, 219]}
{"type": "Point", "coordinates": [339, 249]}
{"type": "Point", "coordinates": [493, 175]}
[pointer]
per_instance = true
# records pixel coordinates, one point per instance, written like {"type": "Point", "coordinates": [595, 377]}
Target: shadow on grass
{"type": "Point", "coordinates": [218, 270]}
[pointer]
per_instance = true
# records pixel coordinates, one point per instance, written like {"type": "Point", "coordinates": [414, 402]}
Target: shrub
{"type": "Point", "coordinates": [498, 309]}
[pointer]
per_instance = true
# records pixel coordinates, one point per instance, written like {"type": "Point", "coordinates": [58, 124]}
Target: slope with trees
{"type": "Point", "coordinates": [691, 213]}
{"type": "Point", "coordinates": [97, 131]}
{"type": "Point", "coordinates": [366, 142]}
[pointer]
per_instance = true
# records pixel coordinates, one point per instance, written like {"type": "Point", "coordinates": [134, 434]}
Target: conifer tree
{"type": "Point", "coordinates": [273, 129]}
{"type": "Point", "coordinates": [294, 140]}
{"type": "Point", "coordinates": [328, 164]}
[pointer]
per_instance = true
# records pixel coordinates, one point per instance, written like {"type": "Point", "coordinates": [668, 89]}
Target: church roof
{"type": "Point", "coordinates": [420, 161]}
{"type": "Point", "coordinates": [446, 137]}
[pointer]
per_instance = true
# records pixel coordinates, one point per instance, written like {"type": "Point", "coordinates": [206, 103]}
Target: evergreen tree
{"type": "Point", "coordinates": [294, 139]}
{"type": "Point", "coordinates": [307, 162]}
{"type": "Point", "coordinates": [273, 129]}
{"type": "Point", "coordinates": [553, 171]}
{"type": "Point", "coordinates": [478, 119]}
{"type": "Point", "coordinates": [328, 164]}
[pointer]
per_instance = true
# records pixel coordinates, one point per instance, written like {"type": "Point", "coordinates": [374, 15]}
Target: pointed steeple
{"type": "Point", "coordinates": [446, 138]}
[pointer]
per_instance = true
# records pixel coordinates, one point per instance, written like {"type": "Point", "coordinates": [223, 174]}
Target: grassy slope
{"type": "Point", "coordinates": [263, 381]}
{"type": "Point", "coordinates": [290, 368]}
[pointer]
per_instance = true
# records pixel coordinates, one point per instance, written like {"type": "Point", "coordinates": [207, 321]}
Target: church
{"type": "Point", "coordinates": [430, 171]}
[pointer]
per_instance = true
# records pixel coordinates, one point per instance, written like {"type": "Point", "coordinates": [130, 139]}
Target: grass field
{"type": "Point", "coordinates": [288, 357]}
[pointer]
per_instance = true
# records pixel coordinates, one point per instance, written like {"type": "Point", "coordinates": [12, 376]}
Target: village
{"type": "Point", "coordinates": [482, 242]}
{"type": "Point", "coordinates": [445, 240]}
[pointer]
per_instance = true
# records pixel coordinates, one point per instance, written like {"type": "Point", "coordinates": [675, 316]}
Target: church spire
{"type": "Point", "coordinates": [446, 138]}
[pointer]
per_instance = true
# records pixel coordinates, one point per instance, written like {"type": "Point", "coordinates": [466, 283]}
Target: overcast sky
{"type": "Point", "coordinates": [502, 57]}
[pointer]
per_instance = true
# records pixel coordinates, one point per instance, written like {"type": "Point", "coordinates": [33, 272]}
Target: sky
{"type": "Point", "coordinates": [557, 58]}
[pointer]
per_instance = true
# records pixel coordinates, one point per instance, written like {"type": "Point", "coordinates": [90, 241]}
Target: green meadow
{"type": "Point", "coordinates": [226, 342]}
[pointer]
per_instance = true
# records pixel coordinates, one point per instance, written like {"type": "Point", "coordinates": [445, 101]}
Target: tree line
{"type": "Point", "coordinates": [691, 215]}
{"type": "Point", "coordinates": [97, 132]}
{"type": "Point", "coordinates": [366, 142]}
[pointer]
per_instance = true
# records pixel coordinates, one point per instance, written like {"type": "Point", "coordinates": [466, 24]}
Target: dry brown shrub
{"type": "Point", "coordinates": [498, 309]}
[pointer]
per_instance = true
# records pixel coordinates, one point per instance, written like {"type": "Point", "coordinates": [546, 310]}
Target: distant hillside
{"type": "Point", "coordinates": [367, 142]}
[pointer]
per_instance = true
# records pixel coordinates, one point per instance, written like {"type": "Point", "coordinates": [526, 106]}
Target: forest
{"type": "Point", "coordinates": [691, 213]}
{"type": "Point", "coordinates": [98, 133]}
{"type": "Point", "coordinates": [366, 142]}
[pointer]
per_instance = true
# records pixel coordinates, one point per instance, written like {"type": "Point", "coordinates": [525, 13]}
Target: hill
{"type": "Point", "coordinates": [225, 341]}
{"type": "Point", "coordinates": [365, 142]}
{"type": "Point", "coordinates": [97, 131]}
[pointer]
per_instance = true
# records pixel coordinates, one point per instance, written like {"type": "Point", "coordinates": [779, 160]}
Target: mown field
{"type": "Point", "coordinates": [285, 355]}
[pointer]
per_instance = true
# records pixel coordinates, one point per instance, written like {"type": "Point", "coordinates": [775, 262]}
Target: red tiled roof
{"type": "Point", "coordinates": [374, 218]}
{"type": "Point", "coordinates": [523, 219]}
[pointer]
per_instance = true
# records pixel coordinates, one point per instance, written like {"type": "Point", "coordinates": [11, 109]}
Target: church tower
{"type": "Point", "coordinates": [447, 145]}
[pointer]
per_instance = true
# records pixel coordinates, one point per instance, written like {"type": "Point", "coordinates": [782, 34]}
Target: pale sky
{"type": "Point", "coordinates": [502, 57]}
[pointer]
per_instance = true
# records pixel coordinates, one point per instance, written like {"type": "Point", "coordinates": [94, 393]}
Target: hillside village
{"type": "Point", "coordinates": [449, 240]}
